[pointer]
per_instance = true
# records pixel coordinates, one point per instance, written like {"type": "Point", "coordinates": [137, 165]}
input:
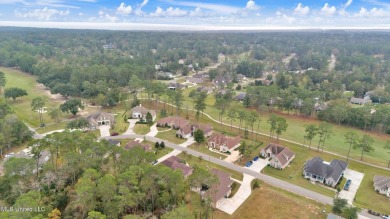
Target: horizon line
{"type": "Point", "coordinates": [172, 27]}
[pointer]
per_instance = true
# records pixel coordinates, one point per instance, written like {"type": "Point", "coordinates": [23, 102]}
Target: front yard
{"type": "Point", "coordinates": [203, 149]}
{"type": "Point", "coordinates": [171, 137]}
{"type": "Point", "coordinates": [141, 129]}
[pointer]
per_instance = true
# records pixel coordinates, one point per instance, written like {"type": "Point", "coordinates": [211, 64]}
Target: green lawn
{"type": "Point", "coordinates": [52, 127]}
{"type": "Point", "coordinates": [162, 152]}
{"type": "Point", "coordinates": [271, 202]}
{"type": "Point", "coordinates": [366, 196]}
{"type": "Point", "coordinates": [22, 106]}
{"type": "Point", "coordinates": [191, 160]}
{"type": "Point", "coordinates": [203, 149]}
{"type": "Point", "coordinates": [141, 129]}
{"type": "Point", "coordinates": [171, 137]}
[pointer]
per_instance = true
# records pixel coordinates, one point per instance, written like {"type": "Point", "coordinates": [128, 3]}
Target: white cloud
{"type": "Point", "coordinates": [197, 13]}
{"type": "Point", "coordinates": [251, 5]}
{"type": "Point", "coordinates": [45, 13]}
{"type": "Point", "coordinates": [374, 12]}
{"type": "Point", "coordinates": [169, 12]}
{"type": "Point", "coordinates": [345, 6]}
{"type": "Point", "coordinates": [219, 8]}
{"type": "Point", "coordinates": [301, 10]}
{"type": "Point", "coordinates": [138, 11]}
{"type": "Point", "coordinates": [328, 10]}
{"type": "Point", "coordinates": [81, 14]}
{"type": "Point", "coordinates": [123, 9]}
{"type": "Point", "coordinates": [110, 18]}
{"type": "Point", "coordinates": [101, 13]}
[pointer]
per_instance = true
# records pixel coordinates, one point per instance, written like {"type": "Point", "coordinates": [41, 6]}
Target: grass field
{"type": "Point", "coordinates": [191, 160]}
{"type": "Point", "coordinates": [171, 136]}
{"type": "Point", "coordinates": [366, 196]}
{"type": "Point", "coordinates": [296, 131]}
{"type": "Point", "coordinates": [201, 148]}
{"type": "Point", "coordinates": [22, 106]}
{"type": "Point", "coordinates": [141, 129]}
{"type": "Point", "coordinates": [270, 202]}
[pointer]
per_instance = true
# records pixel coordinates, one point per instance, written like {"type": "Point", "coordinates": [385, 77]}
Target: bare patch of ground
{"type": "Point", "coordinates": [287, 59]}
{"type": "Point", "coordinates": [55, 97]}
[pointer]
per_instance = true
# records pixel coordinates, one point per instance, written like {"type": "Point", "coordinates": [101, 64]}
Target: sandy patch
{"type": "Point", "coordinates": [55, 97]}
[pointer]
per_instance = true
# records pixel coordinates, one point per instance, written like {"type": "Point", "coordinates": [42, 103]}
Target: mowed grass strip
{"type": "Point", "coordinates": [22, 105]}
{"type": "Point", "coordinates": [141, 129]}
{"type": "Point", "coordinates": [271, 202]}
{"type": "Point", "coordinates": [171, 137]}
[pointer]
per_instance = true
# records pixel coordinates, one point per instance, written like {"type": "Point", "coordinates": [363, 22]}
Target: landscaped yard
{"type": "Point", "coordinates": [203, 149]}
{"type": "Point", "coordinates": [141, 129]}
{"type": "Point", "coordinates": [171, 137]}
{"type": "Point", "coordinates": [162, 152]}
{"type": "Point", "coordinates": [191, 160]}
{"type": "Point", "coordinates": [52, 127]}
{"type": "Point", "coordinates": [270, 202]}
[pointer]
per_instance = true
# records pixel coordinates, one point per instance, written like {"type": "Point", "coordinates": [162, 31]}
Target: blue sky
{"type": "Point", "coordinates": [198, 13]}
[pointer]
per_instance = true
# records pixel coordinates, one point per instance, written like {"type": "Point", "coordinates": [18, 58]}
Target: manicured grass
{"type": "Point", "coordinates": [141, 129]}
{"type": "Point", "coordinates": [203, 149]}
{"type": "Point", "coordinates": [52, 127]}
{"type": "Point", "coordinates": [366, 196]}
{"type": "Point", "coordinates": [191, 160]}
{"type": "Point", "coordinates": [271, 202]}
{"type": "Point", "coordinates": [163, 128]}
{"type": "Point", "coordinates": [120, 125]}
{"type": "Point", "coordinates": [296, 130]}
{"type": "Point", "coordinates": [162, 152]}
{"type": "Point", "coordinates": [171, 137]}
{"type": "Point", "coordinates": [22, 106]}
{"type": "Point", "coordinates": [235, 186]}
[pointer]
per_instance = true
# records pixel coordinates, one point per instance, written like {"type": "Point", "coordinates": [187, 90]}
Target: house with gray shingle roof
{"type": "Point", "coordinates": [360, 101]}
{"type": "Point", "coordinates": [321, 171]}
{"type": "Point", "coordinates": [100, 118]}
{"type": "Point", "coordinates": [176, 163]}
{"type": "Point", "coordinates": [382, 185]}
{"type": "Point", "coordinates": [280, 156]}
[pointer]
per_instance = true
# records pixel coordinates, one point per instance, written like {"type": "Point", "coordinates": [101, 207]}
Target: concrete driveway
{"type": "Point", "coordinates": [131, 126]}
{"type": "Point", "coordinates": [230, 205]}
{"type": "Point", "coordinates": [104, 130]}
{"type": "Point", "coordinates": [356, 178]}
{"type": "Point", "coordinates": [153, 130]}
{"type": "Point", "coordinates": [258, 165]}
{"type": "Point", "coordinates": [233, 157]}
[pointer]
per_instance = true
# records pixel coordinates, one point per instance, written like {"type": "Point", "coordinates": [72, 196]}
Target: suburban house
{"type": "Point", "coordinates": [176, 163]}
{"type": "Point", "coordinates": [222, 80]}
{"type": "Point", "coordinates": [194, 80]}
{"type": "Point", "coordinates": [321, 171]}
{"type": "Point", "coordinates": [224, 143]}
{"type": "Point", "coordinates": [198, 75]}
{"type": "Point", "coordinates": [220, 190]}
{"type": "Point", "coordinates": [280, 156]}
{"type": "Point", "coordinates": [208, 90]}
{"type": "Point", "coordinates": [185, 132]}
{"type": "Point", "coordinates": [175, 86]}
{"type": "Point", "coordinates": [360, 101]}
{"type": "Point", "coordinates": [140, 112]}
{"type": "Point", "coordinates": [100, 118]}
{"type": "Point", "coordinates": [173, 122]}
{"type": "Point", "coordinates": [240, 77]}
{"type": "Point", "coordinates": [240, 97]}
{"type": "Point", "coordinates": [134, 143]}
{"type": "Point", "coordinates": [188, 131]}
{"type": "Point", "coordinates": [114, 142]}
{"type": "Point", "coordinates": [320, 107]}
{"type": "Point", "coordinates": [382, 185]}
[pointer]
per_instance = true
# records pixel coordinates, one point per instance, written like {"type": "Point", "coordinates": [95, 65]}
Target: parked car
{"type": "Point", "coordinates": [114, 134]}
{"type": "Point", "coordinates": [347, 184]}
{"type": "Point", "coordinates": [249, 163]}
{"type": "Point", "coordinates": [386, 216]}
{"type": "Point", "coordinates": [256, 158]}
{"type": "Point", "coordinates": [154, 162]}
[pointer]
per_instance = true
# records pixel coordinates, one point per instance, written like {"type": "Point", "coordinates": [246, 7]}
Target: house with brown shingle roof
{"type": "Point", "coordinates": [189, 130]}
{"type": "Point", "coordinates": [184, 132]}
{"type": "Point", "coordinates": [280, 156]}
{"type": "Point", "coordinates": [220, 190]}
{"type": "Point", "coordinates": [176, 163]}
{"type": "Point", "coordinates": [140, 112]}
{"type": "Point", "coordinates": [173, 121]}
{"type": "Point", "coordinates": [100, 118]}
{"type": "Point", "coordinates": [382, 185]}
{"type": "Point", "coordinates": [224, 143]}
{"type": "Point", "coordinates": [134, 143]}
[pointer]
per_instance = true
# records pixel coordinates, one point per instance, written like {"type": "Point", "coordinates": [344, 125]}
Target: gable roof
{"type": "Point", "coordinates": [174, 163]}
{"type": "Point", "coordinates": [185, 130]}
{"type": "Point", "coordinates": [283, 154]}
{"type": "Point", "coordinates": [220, 189]}
{"type": "Point", "coordinates": [221, 139]}
{"type": "Point", "coordinates": [134, 143]}
{"type": "Point", "coordinates": [206, 128]}
{"type": "Point", "coordinates": [143, 110]}
{"type": "Point", "coordinates": [94, 117]}
{"type": "Point", "coordinates": [318, 167]}
{"type": "Point", "coordinates": [174, 120]}
{"type": "Point", "coordinates": [382, 182]}
{"type": "Point", "coordinates": [360, 100]}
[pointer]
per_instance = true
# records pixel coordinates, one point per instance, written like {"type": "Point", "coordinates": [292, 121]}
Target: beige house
{"type": "Point", "coordinates": [280, 156]}
{"type": "Point", "coordinates": [100, 118]}
{"type": "Point", "coordinates": [140, 112]}
{"type": "Point", "coordinates": [382, 185]}
{"type": "Point", "coordinates": [224, 143]}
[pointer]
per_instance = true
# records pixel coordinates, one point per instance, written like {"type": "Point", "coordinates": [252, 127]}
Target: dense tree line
{"type": "Point", "coordinates": [84, 176]}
